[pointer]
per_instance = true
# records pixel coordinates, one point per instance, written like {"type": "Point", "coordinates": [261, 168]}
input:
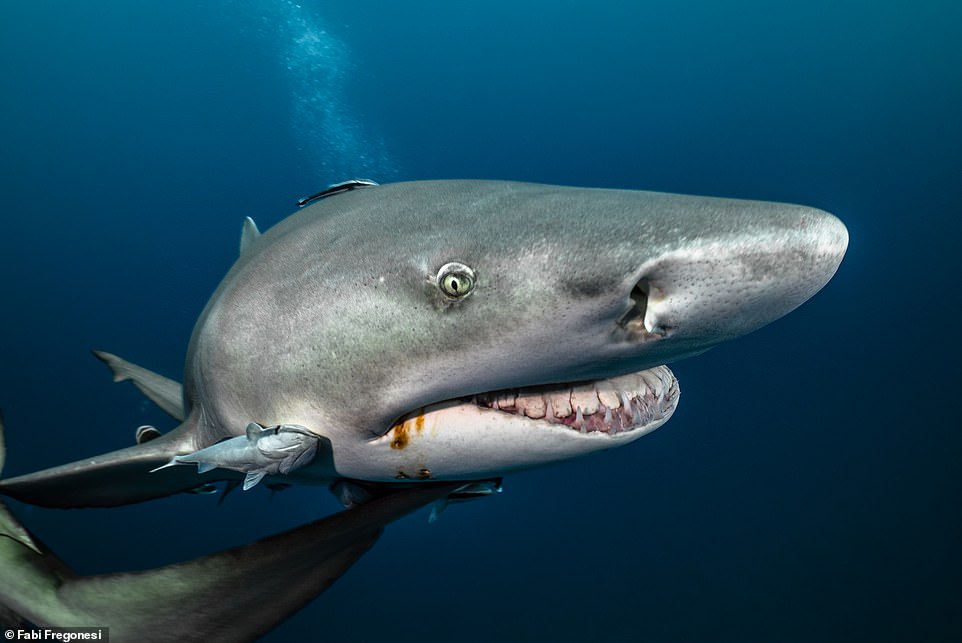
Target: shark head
{"type": "Point", "coordinates": [462, 329]}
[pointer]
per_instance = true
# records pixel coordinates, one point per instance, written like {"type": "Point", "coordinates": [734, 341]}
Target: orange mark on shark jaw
{"type": "Point", "coordinates": [402, 430]}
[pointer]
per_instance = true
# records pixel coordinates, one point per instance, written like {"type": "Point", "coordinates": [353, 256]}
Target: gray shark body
{"type": "Point", "coordinates": [460, 330]}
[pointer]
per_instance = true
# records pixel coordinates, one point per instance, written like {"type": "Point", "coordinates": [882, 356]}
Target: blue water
{"type": "Point", "coordinates": [808, 488]}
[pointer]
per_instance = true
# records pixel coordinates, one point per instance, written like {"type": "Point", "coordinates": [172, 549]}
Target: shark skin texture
{"type": "Point", "coordinates": [453, 330]}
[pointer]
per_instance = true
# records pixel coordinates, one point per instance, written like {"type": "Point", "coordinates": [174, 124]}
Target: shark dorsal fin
{"type": "Point", "coordinates": [249, 234]}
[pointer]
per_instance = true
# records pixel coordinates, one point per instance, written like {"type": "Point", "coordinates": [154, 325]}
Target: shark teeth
{"type": "Point", "coordinates": [609, 406]}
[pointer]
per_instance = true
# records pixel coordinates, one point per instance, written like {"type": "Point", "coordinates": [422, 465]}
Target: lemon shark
{"type": "Point", "coordinates": [455, 330]}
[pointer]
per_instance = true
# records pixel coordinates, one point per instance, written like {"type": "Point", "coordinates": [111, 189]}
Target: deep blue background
{"type": "Point", "coordinates": [808, 488]}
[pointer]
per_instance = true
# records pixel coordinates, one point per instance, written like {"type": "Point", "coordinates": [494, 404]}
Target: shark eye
{"type": "Point", "coordinates": [455, 280]}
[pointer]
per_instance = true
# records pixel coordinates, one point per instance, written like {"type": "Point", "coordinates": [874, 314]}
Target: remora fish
{"type": "Point", "coordinates": [457, 330]}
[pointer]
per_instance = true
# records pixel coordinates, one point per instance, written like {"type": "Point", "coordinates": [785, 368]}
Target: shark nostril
{"type": "Point", "coordinates": [634, 317]}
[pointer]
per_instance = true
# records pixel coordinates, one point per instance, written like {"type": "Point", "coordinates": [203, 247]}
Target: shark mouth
{"type": "Point", "coordinates": [602, 408]}
{"type": "Point", "coordinates": [609, 406]}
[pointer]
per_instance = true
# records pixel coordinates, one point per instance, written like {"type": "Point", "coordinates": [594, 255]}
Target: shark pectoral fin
{"type": "Point", "coordinates": [115, 478]}
{"type": "Point", "coordinates": [240, 593]}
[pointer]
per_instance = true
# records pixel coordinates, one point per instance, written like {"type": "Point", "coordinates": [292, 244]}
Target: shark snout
{"type": "Point", "coordinates": [829, 237]}
{"type": "Point", "coordinates": [748, 271]}
{"type": "Point", "coordinates": [796, 260]}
